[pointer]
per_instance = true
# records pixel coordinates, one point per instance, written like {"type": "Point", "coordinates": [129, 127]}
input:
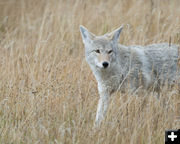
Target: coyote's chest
{"type": "Point", "coordinates": [110, 81]}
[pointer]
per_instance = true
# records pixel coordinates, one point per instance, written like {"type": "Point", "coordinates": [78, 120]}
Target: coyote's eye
{"type": "Point", "coordinates": [97, 51]}
{"type": "Point", "coordinates": [110, 51]}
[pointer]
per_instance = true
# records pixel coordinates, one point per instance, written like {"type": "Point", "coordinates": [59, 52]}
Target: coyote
{"type": "Point", "coordinates": [117, 67]}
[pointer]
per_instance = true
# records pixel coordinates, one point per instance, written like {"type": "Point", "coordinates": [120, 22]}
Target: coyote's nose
{"type": "Point", "coordinates": [105, 64]}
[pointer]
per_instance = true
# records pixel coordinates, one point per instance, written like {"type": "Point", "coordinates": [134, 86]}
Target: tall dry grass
{"type": "Point", "coordinates": [47, 91]}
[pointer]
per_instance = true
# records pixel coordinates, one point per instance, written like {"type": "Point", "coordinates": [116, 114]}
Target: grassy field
{"type": "Point", "coordinates": [48, 93]}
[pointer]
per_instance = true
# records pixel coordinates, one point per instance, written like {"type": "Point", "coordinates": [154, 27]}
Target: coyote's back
{"type": "Point", "coordinates": [164, 63]}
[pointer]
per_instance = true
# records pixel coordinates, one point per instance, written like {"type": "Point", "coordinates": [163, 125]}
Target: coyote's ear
{"type": "Point", "coordinates": [114, 36]}
{"type": "Point", "coordinates": [86, 35]}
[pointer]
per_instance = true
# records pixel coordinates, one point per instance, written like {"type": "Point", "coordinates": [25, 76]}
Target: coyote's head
{"type": "Point", "coordinates": [100, 51]}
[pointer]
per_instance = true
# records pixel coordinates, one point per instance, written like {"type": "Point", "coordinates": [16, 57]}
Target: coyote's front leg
{"type": "Point", "coordinates": [102, 107]}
